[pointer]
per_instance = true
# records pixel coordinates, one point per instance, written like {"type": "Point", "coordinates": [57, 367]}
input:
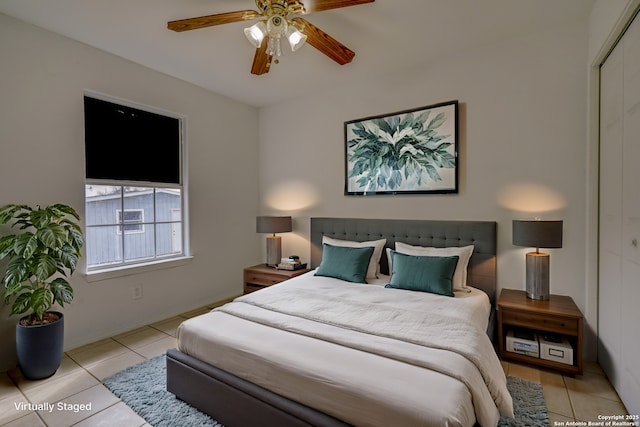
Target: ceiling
{"type": "Point", "coordinates": [387, 36]}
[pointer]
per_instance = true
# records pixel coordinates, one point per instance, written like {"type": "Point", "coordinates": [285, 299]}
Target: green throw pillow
{"type": "Point", "coordinates": [345, 263]}
{"type": "Point", "coordinates": [423, 273]}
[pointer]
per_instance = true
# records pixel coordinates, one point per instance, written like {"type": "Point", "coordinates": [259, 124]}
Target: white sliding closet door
{"type": "Point", "coordinates": [631, 220]}
{"type": "Point", "coordinates": [610, 267]}
{"type": "Point", "coordinates": [619, 265]}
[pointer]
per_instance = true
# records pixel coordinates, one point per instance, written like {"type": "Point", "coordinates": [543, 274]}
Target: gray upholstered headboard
{"type": "Point", "coordinates": [481, 272]}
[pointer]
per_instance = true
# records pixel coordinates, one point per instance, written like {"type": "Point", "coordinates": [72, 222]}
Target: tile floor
{"type": "Point", "coordinates": [78, 381]}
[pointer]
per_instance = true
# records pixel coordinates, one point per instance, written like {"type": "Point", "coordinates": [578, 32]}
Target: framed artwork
{"type": "Point", "coordinates": [408, 152]}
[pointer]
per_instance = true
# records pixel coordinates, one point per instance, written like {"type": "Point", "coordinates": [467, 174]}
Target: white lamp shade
{"type": "Point", "coordinates": [256, 33]}
{"type": "Point", "coordinates": [296, 38]}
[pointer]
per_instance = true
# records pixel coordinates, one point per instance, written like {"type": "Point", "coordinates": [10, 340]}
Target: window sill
{"type": "Point", "coordinates": [110, 273]}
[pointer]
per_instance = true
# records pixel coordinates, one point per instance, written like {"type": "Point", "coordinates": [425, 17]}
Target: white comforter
{"type": "Point", "coordinates": [441, 334]}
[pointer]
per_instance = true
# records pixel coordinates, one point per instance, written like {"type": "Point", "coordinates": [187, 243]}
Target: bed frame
{"type": "Point", "coordinates": [233, 401]}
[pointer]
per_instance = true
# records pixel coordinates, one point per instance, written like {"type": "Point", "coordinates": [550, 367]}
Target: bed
{"type": "Point", "coordinates": [312, 352]}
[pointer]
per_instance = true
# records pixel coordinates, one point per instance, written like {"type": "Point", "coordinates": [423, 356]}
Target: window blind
{"type": "Point", "coordinates": [130, 144]}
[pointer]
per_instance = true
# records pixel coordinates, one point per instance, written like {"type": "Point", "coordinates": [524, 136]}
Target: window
{"type": "Point", "coordinates": [134, 192]}
{"type": "Point", "coordinates": [132, 221]}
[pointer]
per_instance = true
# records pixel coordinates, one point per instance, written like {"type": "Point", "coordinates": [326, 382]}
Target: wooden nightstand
{"type": "Point", "coordinates": [260, 276]}
{"type": "Point", "coordinates": [559, 315]}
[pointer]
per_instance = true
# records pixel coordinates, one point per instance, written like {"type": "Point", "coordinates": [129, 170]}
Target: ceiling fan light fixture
{"type": "Point", "coordinates": [256, 33]}
{"type": "Point", "coordinates": [277, 26]}
{"type": "Point", "coordinates": [276, 20]}
{"type": "Point", "coordinates": [274, 47]}
{"type": "Point", "coordinates": [296, 38]}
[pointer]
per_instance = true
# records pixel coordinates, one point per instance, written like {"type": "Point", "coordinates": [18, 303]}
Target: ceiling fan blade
{"type": "Point", "coordinates": [261, 61]}
{"type": "Point", "coordinates": [325, 43]}
{"type": "Point", "coordinates": [210, 20]}
{"type": "Point", "coordinates": [311, 6]}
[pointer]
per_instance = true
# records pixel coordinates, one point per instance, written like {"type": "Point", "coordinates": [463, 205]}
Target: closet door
{"type": "Point", "coordinates": [619, 264]}
{"type": "Point", "coordinates": [630, 308]}
{"type": "Point", "coordinates": [610, 268]}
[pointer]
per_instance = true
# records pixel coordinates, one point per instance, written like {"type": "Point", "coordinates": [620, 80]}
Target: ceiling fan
{"type": "Point", "coordinates": [278, 20]}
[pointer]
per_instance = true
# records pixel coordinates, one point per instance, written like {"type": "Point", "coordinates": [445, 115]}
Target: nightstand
{"type": "Point", "coordinates": [559, 316]}
{"type": "Point", "coordinates": [260, 276]}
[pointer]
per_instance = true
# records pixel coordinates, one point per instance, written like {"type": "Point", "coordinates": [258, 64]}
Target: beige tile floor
{"type": "Point", "coordinates": [579, 398]}
{"type": "Point", "coordinates": [78, 382]}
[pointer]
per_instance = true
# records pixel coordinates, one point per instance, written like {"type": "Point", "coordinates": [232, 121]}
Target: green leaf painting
{"type": "Point", "coordinates": [408, 152]}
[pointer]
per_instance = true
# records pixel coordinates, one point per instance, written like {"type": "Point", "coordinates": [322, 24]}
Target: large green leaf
{"type": "Point", "coordinates": [59, 209]}
{"type": "Point", "coordinates": [6, 245]}
{"type": "Point", "coordinates": [53, 235]}
{"type": "Point", "coordinates": [62, 291]}
{"type": "Point", "coordinates": [40, 218]}
{"type": "Point", "coordinates": [18, 270]}
{"type": "Point", "coordinates": [70, 225]}
{"type": "Point", "coordinates": [45, 266]}
{"type": "Point", "coordinates": [41, 301]}
{"type": "Point", "coordinates": [76, 239]}
{"type": "Point", "coordinates": [25, 245]}
{"type": "Point", "coordinates": [8, 212]}
{"type": "Point", "coordinates": [22, 303]}
{"type": "Point", "coordinates": [69, 257]}
{"type": "Point", "coordinates": [15, 290]}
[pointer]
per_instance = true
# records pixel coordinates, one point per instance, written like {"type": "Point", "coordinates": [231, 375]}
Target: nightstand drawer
{"type": "Point", "coordinates": [264, 279]}
{"type": "Point", "coordinates": [543, 322]}
{"type": "Point", "coordinates": [250, 287]}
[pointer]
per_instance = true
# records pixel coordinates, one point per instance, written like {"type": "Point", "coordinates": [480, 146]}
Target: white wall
{"type": "Point", "coordinates": [523, 133]}
{"type": "Point", "coordinates": [42, 77]}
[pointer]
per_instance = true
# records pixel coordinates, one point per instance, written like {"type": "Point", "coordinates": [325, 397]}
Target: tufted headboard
{"type": "Point", "coordinates": [481, 272]}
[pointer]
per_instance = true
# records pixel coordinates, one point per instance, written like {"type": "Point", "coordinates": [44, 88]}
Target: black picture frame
{"type": "Point", "coordinates": [407, 152]}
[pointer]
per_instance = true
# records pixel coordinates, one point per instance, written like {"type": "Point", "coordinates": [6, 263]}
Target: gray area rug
{"type": "Point", "coordinates": [528, 404]}
{"type": "Point", "coordinates": [143, 388]}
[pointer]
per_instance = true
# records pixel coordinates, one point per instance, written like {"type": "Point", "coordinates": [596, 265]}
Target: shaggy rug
{"type": "Point", "coordinates": [528, 404]}
{"type": "Point", "coordinates": [143, 388]}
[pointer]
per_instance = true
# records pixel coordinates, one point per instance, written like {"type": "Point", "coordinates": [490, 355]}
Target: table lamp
{"type": "Point", "coordinates": [273, 225]}
{"type": "Point", "coordinates": [537, 234]}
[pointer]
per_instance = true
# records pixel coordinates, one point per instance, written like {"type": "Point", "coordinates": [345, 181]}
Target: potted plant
{"type": "Point", "coordinates": [40, 255]}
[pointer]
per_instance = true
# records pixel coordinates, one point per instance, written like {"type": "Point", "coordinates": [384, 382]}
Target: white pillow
{"type": "Point", "coordinates": [374, 262]}
{"type": "Point", "coordinates": [463, 253]}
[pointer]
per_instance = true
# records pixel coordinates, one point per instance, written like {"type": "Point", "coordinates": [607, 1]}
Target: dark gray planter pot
{"type": "Point", "coordinates": [40, 348]}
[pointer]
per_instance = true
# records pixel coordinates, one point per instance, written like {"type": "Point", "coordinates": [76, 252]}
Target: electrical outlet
{"type": "Point", "coordinates": [136, 292]}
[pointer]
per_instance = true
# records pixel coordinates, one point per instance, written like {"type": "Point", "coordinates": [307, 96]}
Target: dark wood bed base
{"type": "Point", "coordinates": [233, 401]}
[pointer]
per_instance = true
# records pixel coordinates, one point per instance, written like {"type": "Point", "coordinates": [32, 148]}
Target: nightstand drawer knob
{"type": "Point", "coordinates": [634, 242]}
